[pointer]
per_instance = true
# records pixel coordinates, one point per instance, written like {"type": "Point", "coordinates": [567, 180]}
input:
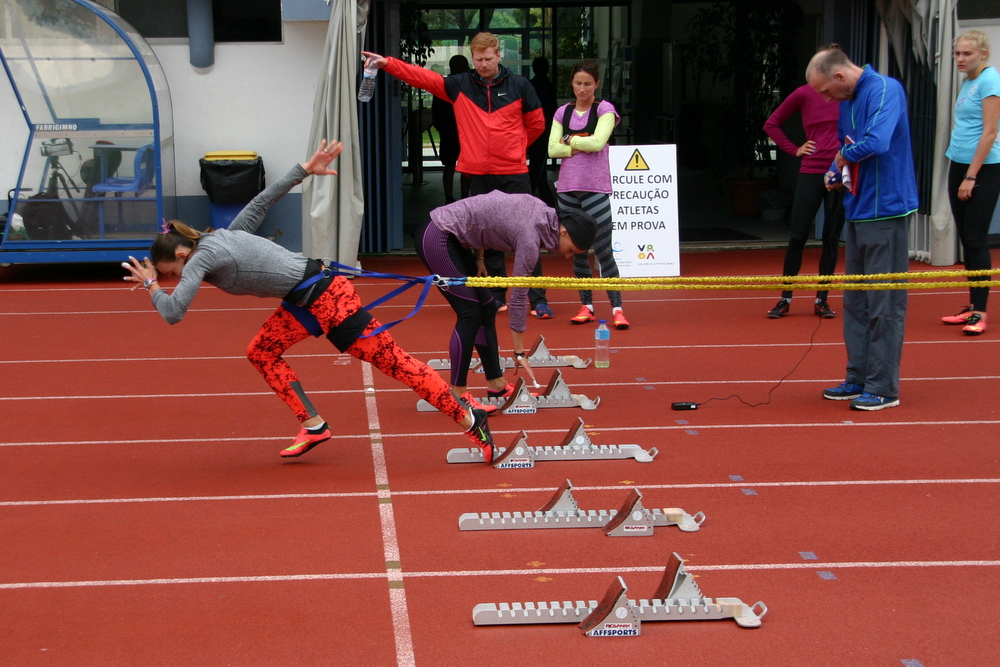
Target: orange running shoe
{"type": "Point", "coordinates": [473, 403]}
{"type": "Point", "coordinates": [975, 325]}
{"type": "Point", "coordinates": [585, 315]}
{"type": "Point", "coordinates": [959, 318]}
{"type": "Point", "coordinates": [502, 393]}
{"type": "Point", "coordinates": [306, 440]}
{"type": "Point", "coordinates": [620, 321]}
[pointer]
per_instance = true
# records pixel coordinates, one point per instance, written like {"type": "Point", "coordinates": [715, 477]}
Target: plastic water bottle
{"type": "Point", "coordinates": [367, 89]}
{"type": "Point", "coordinates": [602, 345]}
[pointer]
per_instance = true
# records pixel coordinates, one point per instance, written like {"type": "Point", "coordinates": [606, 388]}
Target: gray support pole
{"type": "Point", "coordinates": [201, 34]}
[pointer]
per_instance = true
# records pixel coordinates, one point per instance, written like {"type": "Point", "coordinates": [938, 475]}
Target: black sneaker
{"type": "Point", "coordinates": [480, 434]}
{"type": "Point", "coordinates": [780, 310]}
{"type": "Point", "coordinates": [822, 308]}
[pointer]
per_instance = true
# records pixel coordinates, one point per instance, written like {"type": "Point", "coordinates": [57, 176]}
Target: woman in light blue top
{"type": "Point", "coordinates": [974, 176]}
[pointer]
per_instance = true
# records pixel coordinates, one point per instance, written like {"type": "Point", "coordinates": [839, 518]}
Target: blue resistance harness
{"type": "Point", "coordinates": [352, 327]}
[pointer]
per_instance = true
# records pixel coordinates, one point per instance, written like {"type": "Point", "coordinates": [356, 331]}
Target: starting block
{"type": "Point", "coordinates": [562, 511]}
{"type": "Point", "coordinates": [678, 598]}
{"type": "Point", "coordinates": [576, 446]}
{"type": "Point", "coordinates": [538, 356]}
{"type": "Point", "coordinates": [523, 402]}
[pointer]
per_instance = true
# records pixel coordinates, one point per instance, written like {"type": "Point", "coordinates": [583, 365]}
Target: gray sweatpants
{"type": "Point", "coordinates": [874, 320]}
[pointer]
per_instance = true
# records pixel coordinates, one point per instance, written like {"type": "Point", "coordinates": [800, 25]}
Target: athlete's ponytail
{"type": "Point", "coordinates": [175, 235]}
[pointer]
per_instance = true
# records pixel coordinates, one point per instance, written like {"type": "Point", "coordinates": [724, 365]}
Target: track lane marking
{"type": "Point", "coordinates": [440, 353]}
{"type": "Point", "coordinates": [391, 390]}
{"type": "Point", "coordinates": [401, 630]}
{"type": "Point", "coordinates": [812, 565]}
{"type": "Point", "coordinates": [452, 492]}
{"type": "Point", "coordinates": [617, 429]}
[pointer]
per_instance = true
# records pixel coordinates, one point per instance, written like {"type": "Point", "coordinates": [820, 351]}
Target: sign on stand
{"type": "Point", "coordinates": [644, 210]}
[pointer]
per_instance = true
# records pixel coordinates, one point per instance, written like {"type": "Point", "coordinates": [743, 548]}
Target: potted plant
{"type": "Point", "coordinates": [742, 57]}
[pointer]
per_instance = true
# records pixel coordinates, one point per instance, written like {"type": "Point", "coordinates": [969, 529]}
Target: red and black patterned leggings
{"type": "Point", "coordinates": [339, 301]}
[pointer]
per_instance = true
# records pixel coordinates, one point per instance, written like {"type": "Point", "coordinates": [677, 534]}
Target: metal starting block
{"type": "Point", "coordinates": [538, 356]}
{"type": "Point", "coordinates": [523, 402]}
{"type": "Point", "coordinates": [562, 511]}
{"type": "Point", "coordinates": [678, 598]}
{"type": "Point", "coordinates": [576, 446]}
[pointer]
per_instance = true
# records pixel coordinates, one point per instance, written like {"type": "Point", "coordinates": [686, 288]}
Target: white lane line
{"type": "Point", "coordinates": [644, 383]}
{"type": "Point", "coordinates": [383, 493]}
{"type": "Point", "coordinates": [605, 429]}
{"type": "Point", "coordinates": [187, 499]}
{"type": "Point", "coordinates": [439, 353]}
{"type": "Point", "coordinates": [812, 565]}
{"type": "Point", "coordinates": [148, 441]}
{"type": "Point", "coordinates": [390, 543]}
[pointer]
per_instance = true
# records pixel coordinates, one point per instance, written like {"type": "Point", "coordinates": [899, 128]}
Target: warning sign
{"type": "Point", "coordinates": [645, 238]}
{"type": "Point", "coordinates": [636, 163]}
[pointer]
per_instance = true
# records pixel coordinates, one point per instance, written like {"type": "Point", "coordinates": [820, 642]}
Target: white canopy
{"type": "Point", "coordinates": [333, 207]}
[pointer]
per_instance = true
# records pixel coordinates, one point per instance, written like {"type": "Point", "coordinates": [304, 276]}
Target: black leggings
{"type": "Point", "coordinates": [476, 308]}
{"type": "Point", "coordinates": [972, 221]}
{"type": "Point", "coordinates": [598, 205]}
{"type": "Point", "coordinates": [810, 192]}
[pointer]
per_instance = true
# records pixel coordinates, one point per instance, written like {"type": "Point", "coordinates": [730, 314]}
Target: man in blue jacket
{"type": "Point", "coordinates": [875, 136]}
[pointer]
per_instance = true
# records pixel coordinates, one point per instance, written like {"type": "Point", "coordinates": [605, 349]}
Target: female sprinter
{"type": "Point", "coordinates": [580, 133]}
{"type": "Point", "coordinates": [238, 262]}
{"type": "Point", "coordinates": [974, 175]}
{"type": "Point", "coordinates": [452, 243]}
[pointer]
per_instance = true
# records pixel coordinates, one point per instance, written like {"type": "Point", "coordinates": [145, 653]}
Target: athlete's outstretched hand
{"type": "Point", "coordinates": [319, 163]}
{"type": "Point", "coordinates": [374, 60]}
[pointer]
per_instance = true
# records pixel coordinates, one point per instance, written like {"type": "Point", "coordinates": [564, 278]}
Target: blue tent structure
{"type": "Point", "coordinates": [97, 174]}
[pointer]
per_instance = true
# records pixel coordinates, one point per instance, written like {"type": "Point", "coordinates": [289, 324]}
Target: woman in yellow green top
{"type": "Point", "coordinates": [580, 134]}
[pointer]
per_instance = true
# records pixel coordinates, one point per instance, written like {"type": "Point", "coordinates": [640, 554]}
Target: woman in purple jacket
{"type": "Point", "coordinates": [452, 244]}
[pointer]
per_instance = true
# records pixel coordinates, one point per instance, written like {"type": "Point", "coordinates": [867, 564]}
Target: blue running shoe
{"type": "Point", "coordinates": [845, 391]}
{"type": "Point", "coordinates": [872, 402]}
{"type": "Point", "coordinates": [542, 311]}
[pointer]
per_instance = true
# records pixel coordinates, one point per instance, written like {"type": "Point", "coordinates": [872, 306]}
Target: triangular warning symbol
{"type": "Point", "coordinates": [636, 163]}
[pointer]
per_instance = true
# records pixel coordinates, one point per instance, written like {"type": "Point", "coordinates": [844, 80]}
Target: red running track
{"type": "Point", "coordinates": [146, 518]}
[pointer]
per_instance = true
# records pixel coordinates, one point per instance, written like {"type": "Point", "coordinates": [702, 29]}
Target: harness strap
{"type": "Point", "coordinates": [591, 125]}
{"type": "Point", "coordinates": [305, 318]}
{"type": "Point", "coordinates": [409, 281]}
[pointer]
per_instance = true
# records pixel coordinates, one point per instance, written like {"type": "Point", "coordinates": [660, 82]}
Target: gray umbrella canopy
{"type": "Point", "coordinates": [333, 207]}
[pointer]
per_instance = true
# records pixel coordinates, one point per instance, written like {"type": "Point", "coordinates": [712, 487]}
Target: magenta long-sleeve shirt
{"type": "Point", "coordinates": [819, 120]}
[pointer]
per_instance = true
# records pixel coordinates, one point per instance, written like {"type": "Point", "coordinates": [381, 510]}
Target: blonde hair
{"type": "Point", "coordinates": [978, 39]}
{"type": "Point", "coordinates": [483, 41]}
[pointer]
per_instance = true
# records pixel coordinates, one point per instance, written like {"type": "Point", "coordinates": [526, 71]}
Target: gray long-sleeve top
{"type": "Point", "coordinates": [236, 261]}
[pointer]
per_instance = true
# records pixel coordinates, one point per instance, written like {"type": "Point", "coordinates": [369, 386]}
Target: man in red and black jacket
{"type": "Point", "coordinates": [498, 116]}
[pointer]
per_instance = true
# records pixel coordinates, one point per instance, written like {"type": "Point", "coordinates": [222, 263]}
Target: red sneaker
{"type": "Point", "coordinates": [975, 325]}
{"type": "Point", "coordinates": [959, 318]}
{"type": "Point", "coordinates": [620, 321]}
{"type": "Point", "coordinates": [305, 441]}
{"type": "Point", "coordinates": [502, 393]}
{"type": "Point", "coordinates": [585, 315]}
{"type": "Point", "coordinates": [473, 403]}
